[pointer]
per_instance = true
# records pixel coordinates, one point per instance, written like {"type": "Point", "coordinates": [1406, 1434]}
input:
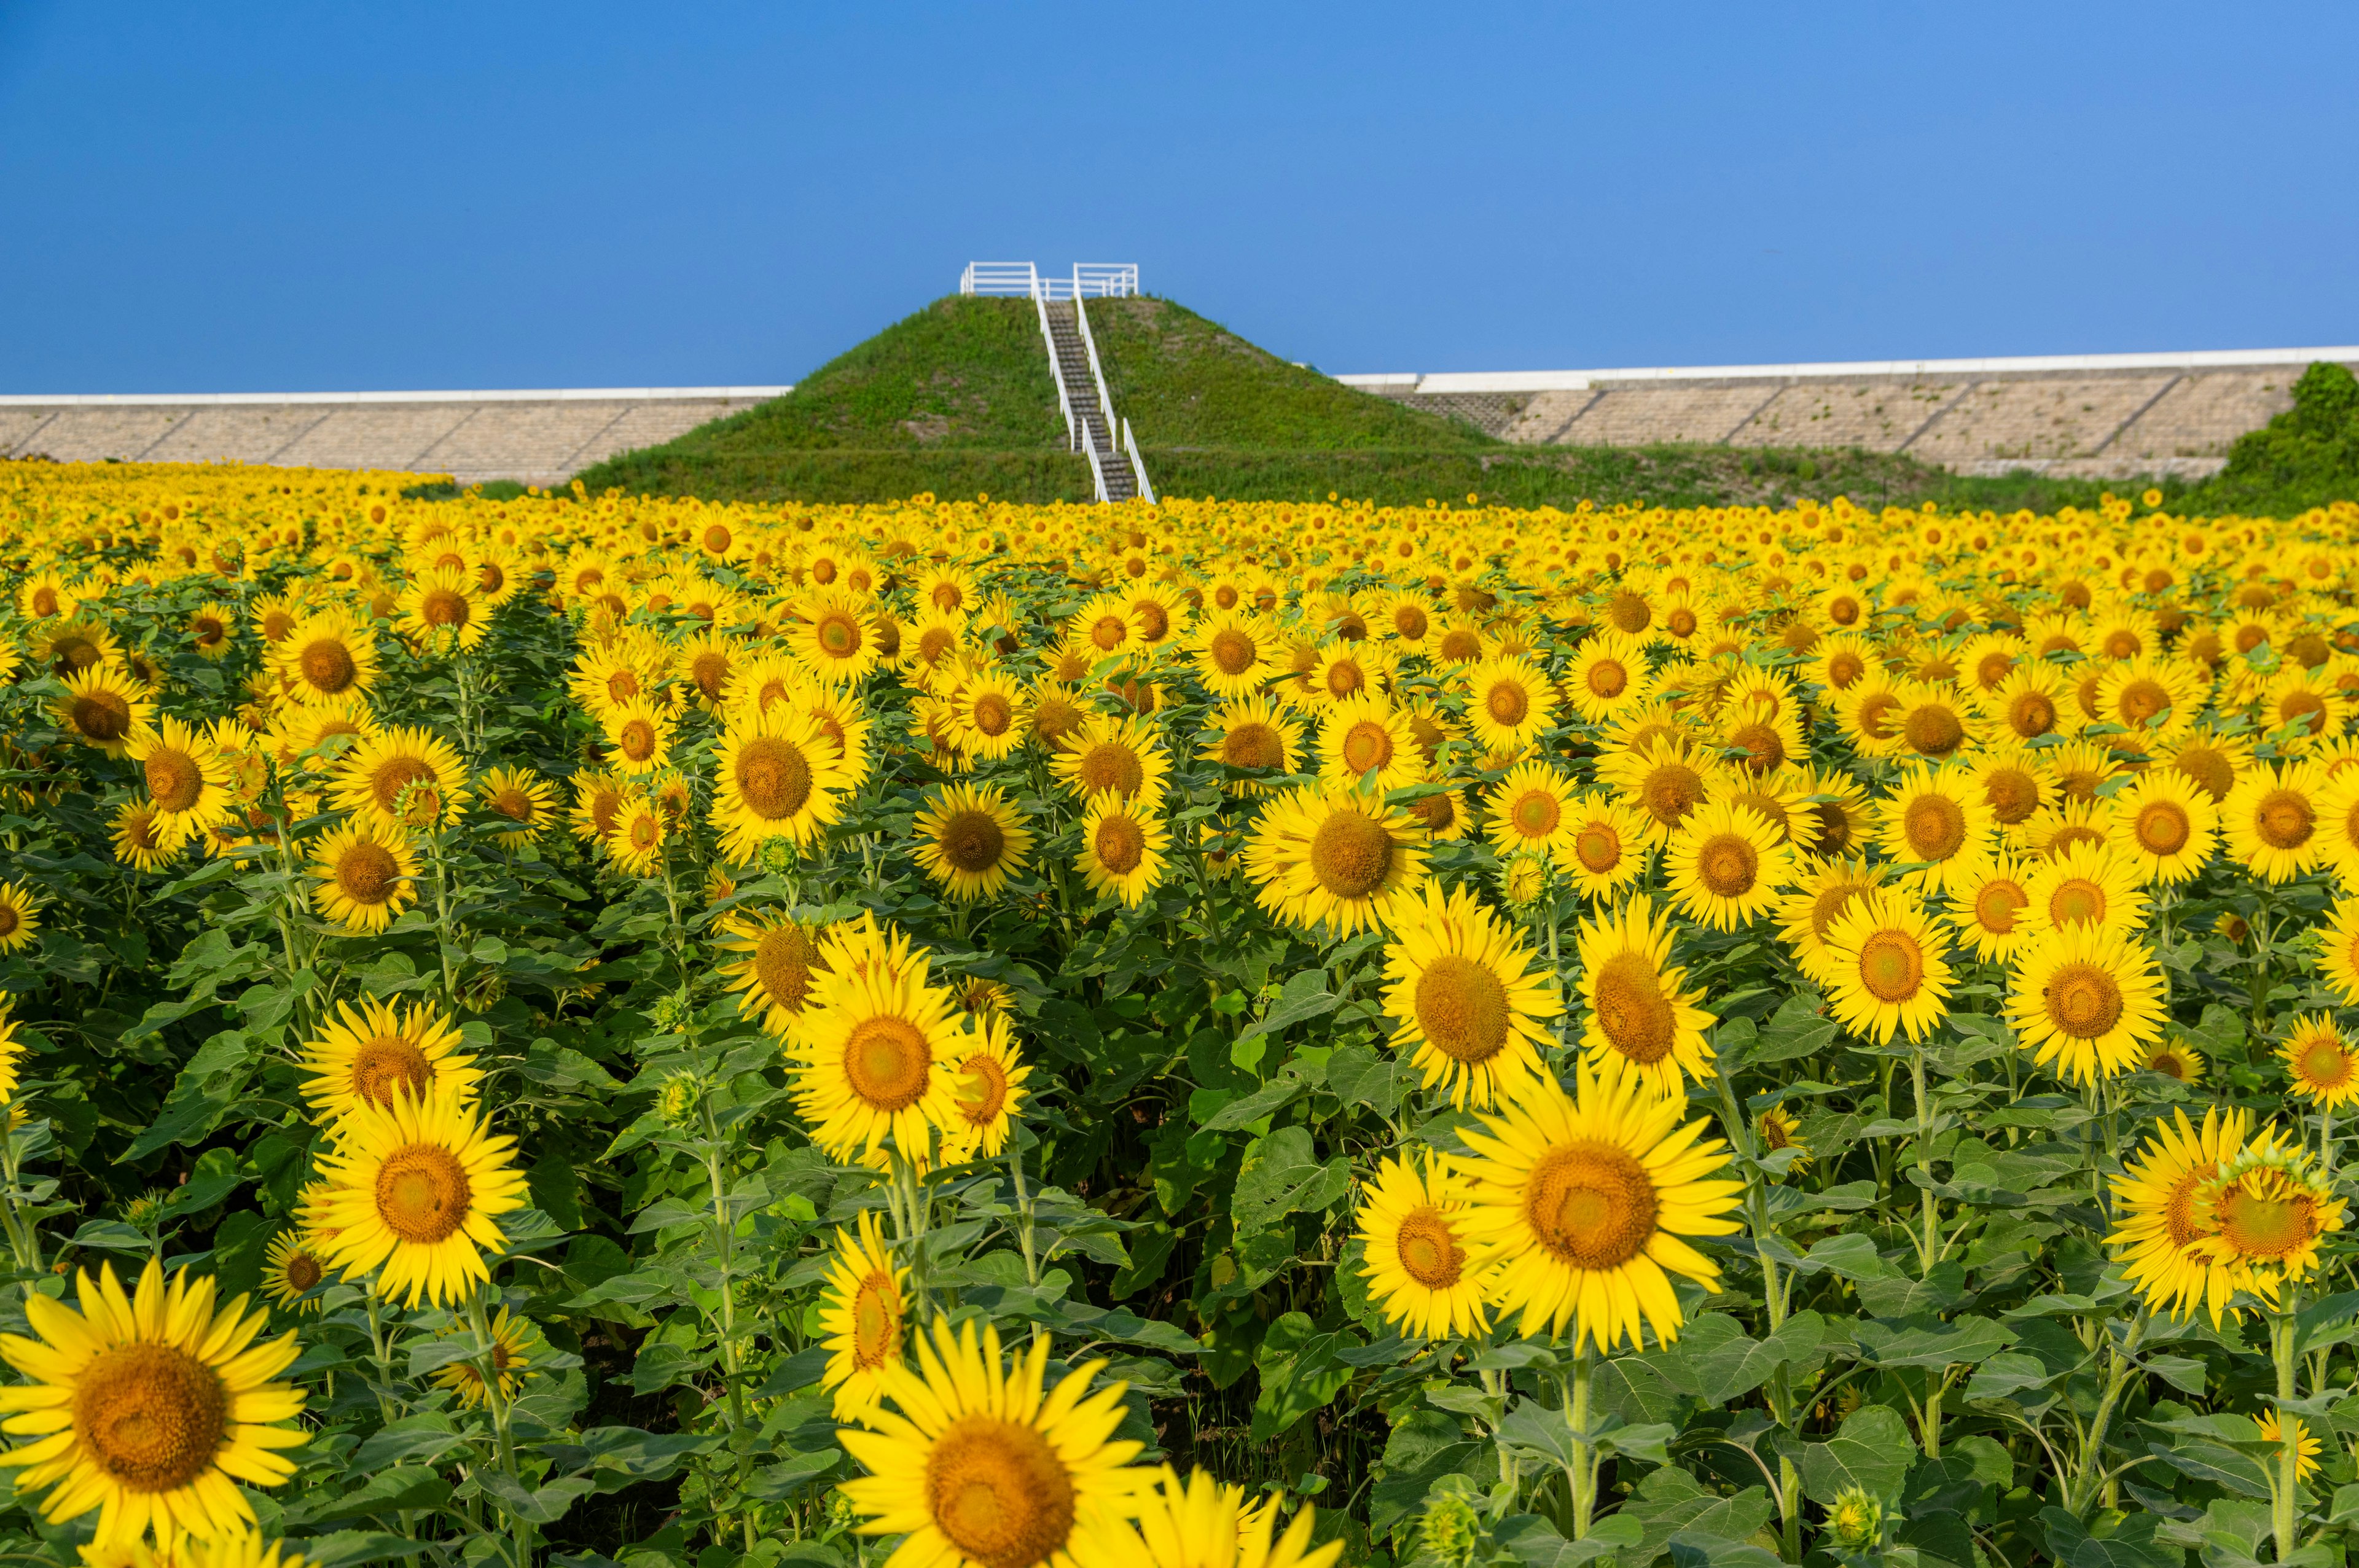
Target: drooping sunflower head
{"type": "Point", "coordinates": [862, 1310]}
{"type": "Point", "coordinates": [1639, 1017]}
{"type": "Point", "coordinates": [987, 1075]}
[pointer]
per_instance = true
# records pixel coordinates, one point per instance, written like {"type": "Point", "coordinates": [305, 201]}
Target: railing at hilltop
{"type": "Point", "coordinates": [1023, 280]}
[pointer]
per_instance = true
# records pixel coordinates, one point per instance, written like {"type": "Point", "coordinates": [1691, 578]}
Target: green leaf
{"type": "Point", "coordinates": [1850, 1256]}
{"type": "Point", "coordinates": [1304, 995]}
{"type": "Point", "coordinates": [1964, 1342]}
{"type": "Point", "coordinates": [389, 1491]}
{"type": "Point", "coordinates": [1282, 1174]}
{"type": "Point", "coordinates": [1273, 1097]}
{"type": "Point", "coordinates": [1872, 1450]}
{"type": "Point", "coordinates": [2006, 1376]}
{"type": "Point", "coordinates": [1941, 1289]}
{"type": "Point", "coordinates": [1694, 1548]}
{"type": "Point", "coordinates": [1671, 1502]}
{"type": "Point", "coordinates": [352, 1548]}
{"type": "Point", "coordinates": [1359, 1074]}
{"type": "Point", "coordinates": [1299, 1374]}
{"type": "Point", "coordinates": [2131, 1544]}
{"type": "Point", "coordinates": [417, 1439]}
{"type": "Point", "coordinates": [1423, 1448]}
{"type": "Point", "coordinates": [543, 1504]}
{"type": "Point", "coordinates": [1537, 1543]}
{"type": "Point", "coordinates": [1797, 1029]}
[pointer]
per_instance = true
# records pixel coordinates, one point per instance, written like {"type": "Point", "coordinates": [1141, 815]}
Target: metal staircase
{"type": "Point", "coordinates": [1090, 423]}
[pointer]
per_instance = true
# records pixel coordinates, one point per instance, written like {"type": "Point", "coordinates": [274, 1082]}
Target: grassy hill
{"type": "Point", "coordinates": [958, 400]}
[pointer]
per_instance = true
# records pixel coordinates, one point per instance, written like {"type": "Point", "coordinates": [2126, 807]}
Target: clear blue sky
{"type": "Point", "coordinates": [236, 196]}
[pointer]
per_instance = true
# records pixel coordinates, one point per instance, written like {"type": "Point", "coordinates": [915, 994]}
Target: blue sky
{"type": "Point", "coordinates": [321, 197]}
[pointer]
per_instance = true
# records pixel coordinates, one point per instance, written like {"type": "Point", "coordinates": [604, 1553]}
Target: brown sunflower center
{"type": "Point", "coordinates": [1460, 643]}
{"type": "Point", "coordinates": [366, 873]}
{"type": "Point", "coordinates": [1429, 1253]}
{"type": "Point", "coordinates": [1996, 903]}
{"type": "Point", "coordinates": [395, 774]}
{"type": "Point", "coordinates": [174, 780]}
{"type": "Point", "coordinates": [1053, 718]}
{"type": "Point", "coordinates": [774, 778]}
{"type": "Point", "coordinates": [636, 740]}
{"type": "Point", "coordinates": [2140, 700]}
{"type": "Point", "coordinates": [837, 634]}
{"type": "Point", "coordinates": [1933, 730]}
{"type": "Point", "coordinates": [1234, 652]}
{"type": "Point", "coordinates": [1536, 814]}
{"type": "Point", "coordinates": [1463, 1008]}
{"type": "Point", "coordinates": [885, 1063]}
{"type": "Point", "coordinates": [981, 1089]}
{"type": "Point", "coordinates": [1891, 966]}
{"type": "Point", "coordinates": [1728, 865]}
{"type": "Point", "coordinates": [102, 716]}
{"type": "Point", "coordinates": [443, 607]}
{"type": "Point", "coordinates": [2031, 714]}
{"type": "Point", "coordinates": [784, 958]}
{"type": "Point", "coordinates": [1598, 847]}
{"type": "Point", "coordinates": [999, 1493]}
{"type": "Point", "coordinates": [2284, 819]}
{"type": "Point", "coordinates": [1110, 764]}
{"type": "Point", "coordinates": [2262, 1227]}
{"type": "Point", "coordinates": [1109, 632]}
{"type": "Point", "coordinates": [328, 666]}
{"type": "Point", "coordinates": [2303, 707]}
{"type": "Point", "coordinates": [1591, 1204]}
{"type": "Point", "coordinates": [2012, 794]}
{"type": "Point", "coordinates": [2083, 1001]}
{"type": "Point", "coordinates": [2324, 1063]}
{"type": "Point", "coordinates": [1410, 622]}
{"type": "Point", "coordinates": [1344, 677]}
{"type": "Point", "coordinates": [1763, 748]}
{"type": "Point", "coordinates": [1367, 744]}
{"type": "Point", "coordinates": [1670, 791]}
{"type": "Point", "coordinates": [1507, 703]}
{"type": "Point", "coordinates": [1120, 844]}
{"type": "Point", "coordinates": [1608, 678]}
{"type": "Point", "coordinates": [2209, 768]}
{"type": "Point", "coordinates": [304, 1272]}
{"type": "Point", "coordinates": [1633, 1010]}
{"type": "Point", "coordinates": [1629, 612]}
{"type": "Point", "coordinates": [1935, 827]}
{"type": "Point", "coordinates": [876, 1322]}
{"type": "Point", "coordinates": [152, 1417]}
{"type": "Point", "coordinates": [992, 714]}
{"type": "Point", "coordinates": [389, 1065]}
{"type": "Point", "coordinates": [1351, 854]}
{"type": "Point", "coordinates": [1253, 744]}
{"type": "Point", "coordinates": [423, 1193]}
{"type": "Point", "coordinates": [2077, 901]}
{"type": "Point", "coordinates": [972, 841]}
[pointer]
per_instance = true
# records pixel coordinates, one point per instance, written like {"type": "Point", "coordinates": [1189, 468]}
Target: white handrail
{"type": "Point", "coordinates": [1096, 279]}
{"type": "Point", "coordinates": [1056, 368]}
{"type": "Point", "coordinates": [1005, 279]}
{"type": "Point", "coordinates": [1089, 341]}
{"type": "Point", "coordinates": [1137, 467]}
{"type": "Point", "coordinates": [1097, 466]}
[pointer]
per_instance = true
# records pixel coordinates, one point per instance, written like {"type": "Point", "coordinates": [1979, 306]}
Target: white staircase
{"type": "Point", "coordinates": [1081, 396]}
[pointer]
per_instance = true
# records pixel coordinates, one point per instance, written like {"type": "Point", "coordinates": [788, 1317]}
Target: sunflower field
{"type": "Point", "coordinates": [641, 1033]}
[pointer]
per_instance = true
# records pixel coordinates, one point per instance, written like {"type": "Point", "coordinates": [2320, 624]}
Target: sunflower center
{"type": "Point", "coordinates": [174, 781]}
{"type": "Point", "coordinates": [709, 671]}
{"type": "Point", "coordinates": [1120, 844]}
{"type": "Point", "coordinates": [152, 1417]}
{"type": "Point", "coordinates": [45, 601]}
{"type": "Point", "coordinates": [1463, 1008]}
{"type": "Point", "coordinates": [513, 805]}
{"type": "Point", "coordinates": [1598, 847]}
{"type": "Point", "coordinates": [1108, 631]}
{"type": "Point", "coordinates": [1629, 612]}
{"type": "Point", "coordinates": [876, 1322]}
{"type": "Point", "coordinates": [365, 872]}
{"type": "Point", "coordinates": [2284, 819]}
{"type": "Point", "coordinates": [423, 1193]}
{"type": "Point", "coordinates": [1536, 814]}
{"type": "Point", "coordinates": [981, 1089]}
{"type": "Point", "coordinates": [2083, 1001]}
{"type": "Point", "coordinates": [1935, 825]}
{"type": "Point", "coordinates": [1253, 745]}
{"type": "Point", "coordinates": [992, 714]}
{"type": "Point", "coordinates": [1995, 907]}
{"type": "Point", "coordinates": [999, 1493]}
{"type": "Point", "coordinates": [2077, 901]}
{"type": "Point", "coordinates": [1351, 854]}
{"type": "Point", "coordinates": [1429, 1253]}
{"type": "Point", "coordinates": [443, 607]}
{"type": "Point", "coordinates": [886, 1061]}
{"type": "Point", "coordinates": [1933, 731]}
{"type": "Point", "coordinates": [389, 1065]}
{"type": "Point", "coordinates": [1462, 645]}
{"type": "Point", "coordinates": [1410, 622]}
{"type": "Point", "coordinates": [2031, 715]}
{"type": "Point", "coordinates": [1507, 703]}
{"type": "Point", "coordinates": [395, 774]}
{"type": "Point", "coordinates": [1367, 745]}
{"type": "Point", "coordinates": [1054, 719]}
{"type": "Point", "coordinates": [1591, 1204]}
{"type": "Point", "coordinates": [2258, 1226]}
{"type": "Point", "coordinates": [774, 778]}
{"type": "Point", "coordinates": [1234, 653]}
{"type": "Point", "coordinates": [1891, 966]}
{"type": "Point", "coordinates": [2012, 794]}
{"type": "Point", "coordinates": [782, 963]}
{"type": "Point", "coordinates": [1607, 679]}
{"type": "Point", "coordinates": [1633, 1010]}
{"type": "Point", "coordinates": [2141, 701]}
{"type": "Point", "coordinates": [1671, 792]}
{"type": "Point", "coordinates": [1344, 679]}
{"type": "Point", "coordinates": [102, 716]}
{"type": "Point", "coordinates": [328, 666]}
{"type": "Point", "coordinates": [2306, 709]}
{"type": "Point", "coordinates": [838, 635]}
{"type": "Point", "coordinates": [2209, 768]}
{"type": "Point", "coordinates": [2324, 1063]}
{"type": "Point", "coordinates": [1763, 751]}
{"type": "Point", "coordinates": [972, 841]}
{"type": "Point", "coordinates": [1728, 865]}
{"type": "Point", "coordinates": [304, 1272]}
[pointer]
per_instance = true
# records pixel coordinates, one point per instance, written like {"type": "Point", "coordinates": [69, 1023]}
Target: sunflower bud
{"type": "Point", "coordinates": [1450, 1532]}
{"type": "Point", "coordinates": [1856, 1520]}
{"type": "Point", "coordinates": [681, 1097]}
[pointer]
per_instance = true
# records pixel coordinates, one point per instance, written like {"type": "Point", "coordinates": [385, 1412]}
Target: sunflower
{"type": "Point", "coordinates": [327, 654]}
{"type": "Point", "coordinates": [2167, 827]}
{"type": "Point", "coordinates": [775, 960]}
{"type": "Point", "coordinates": [292, 1268]}
{"type": "Point", "coordinates": [1608, 673]}
{"type": "Point", "coordinates": [2015, 783]}
{"type": "Point", "coordinates": [382, 1052]}
{"type": "Point", "coordinates": [78, 644]}
{"type": "Point", "coordinates": [1886, 967]}
{"type": "Point", "coordinates": [870, 1050]}
{"type": "Point", "coordinates": [642, 828]}
{"type": "Point", "coordinates": [44, 595]}
{"type": "Point", "coordinates": [1119, 755]}
{"type": "Point", "coordinates": [513, 1343]}
{"type": "Point", "coordinates": [2031, 702]}
{"type": "Point", "coordinates": [861, 1309]}
{"type": "Point", "coordinates": [1936, 823]}
{"type": "Point", "coordinates": [1342, 669]}
{"type": "Point", "coordinates": [149, 1407]}
{"type": "Point", "coordinates": [971, 841]}
{"type": "Point", "coordinates": [1638, 1016]}
{"type": "Point", "coordinates": [2306, 1447]}
{"type": "Point", "coordinates": [367, 873]}
{"type": "Point", "coordinates": [188, 780]}
{"type": "Point", "coordinates": [1416, 1260]}
{"type": "Point", "coordinates": [212, 631]}
{"type": "Point", "coordinates": [638, 734]}
{"type": "Point", "coordinates": [1839, 819]}
{"type": "Point", "coordinates": [1360, 735]}
{"type": "Point", "coordinates": [987, 713]}
{"type": "Point", "coordinates": [1205, 1523]}
{"type": "Point", "coordinates": [835, 636]}
{"type": "Point", "coordinates": [414, 1187]}
{"type": "Point", "coordinates": [778, 776]}
{"type": "Point", "coordinates": [1606, 846]}
{"type": "Point", "coordinates": [2271, 820]}
{"type": "Point", "coordinates": [2213, 761]}
{"type": "Point", "coordinates": [2322, 1066]}
{"type": "Point", "coordinates": [304, 729]}
{"type": "Point", "coordinates": [1323, 855]}
{"type": "Point", "coordinates": [523, 798]}
{"type": "Point", "coordinates": [2258, 1220]}
{"type": "Point", "coordinates": [440, 611]}
{"type": "Point", "coordinates": [20, 919]}
{"type": "Point", "coordinates": [1868, 713]}
{"type": "Point", "coordinates": [1509, 703]}
{"type": "Point", "coordinates": [1123, 842]}
{"type": "Point", "coordinates": [104, 708]}
{"type": "Point", "coordinates": [1935, 722]}
{"type": "Point", "coordinates": [977, 1468]}
{"type": "Point", "coordinates": [1777, 1132]}
{"type": "Point", "coordinates": [1725, 865]}
{"type": "Point", "coordinates": [1666, 781]}
{"type": "Point", "coordinates": [1234, 653]}
{"type": "Point", "coordinates": [1823, 889]}
{"type": "Point", "coordinates": [2056, 829]}
{"type": "Point", "coordinates": [1467, 1008]}
{"type": "Point", "coordinates": [1990, 909]}
{"type": "Point", "coordinates": [1104, 627]}
{"type": "Point", "coordinates": [1531, 808]}
{"type": "Point", "coordinates": [1580, 1204]}
{"type": "Point", "coordinates": [2087, 1001]}
{"type": "Point", "coordinates": [1258, 738]}
{"type": "Point", "coordinates": [2089, 884]}
{"type": "Point", "coordinates": [402, 778]}
{"type": "Point", "coordinates": [2155, 699]}
{"type": "Point", "coordinates": [140, 840]}
{"type": "Point", "coordinates": [597, 805]}
{"type": "Point", "coordinates": [2301, 710]}
{"type": "Point", "coordinates": [605, 676]}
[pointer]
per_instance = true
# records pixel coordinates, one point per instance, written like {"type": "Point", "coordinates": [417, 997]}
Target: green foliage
{"type": "Point", "coordinates": [2306, 457]}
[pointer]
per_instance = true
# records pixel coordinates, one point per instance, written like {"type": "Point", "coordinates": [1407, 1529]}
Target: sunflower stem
{"type": "Point", "coordinates": [1024, 1222]}
{"type": "Point", "coordinates": [2284, 1499]}
{"type": "Point", "coordinates": [1584, 1474]}
{"type": "Point", "coordinates": [495, 1399]}
{"type": "Point", "coordinates": [1928, 1248]}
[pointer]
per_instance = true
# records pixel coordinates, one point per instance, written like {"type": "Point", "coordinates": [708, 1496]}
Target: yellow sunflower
{"type": "Point", "coordinates": [1778, 1130]}
{"type": "Point", "coordinates": [971, 841]}
{"type": "Point", "coordinates": [2155, 699]}
{"type": "Point", "coordinates": [522, 798]}
{"type": "Point", "coordinates": [292, 1268]}
{"type": "Point", "coordinates": [1991, 908]}
{"type": "Point", "coordinates": [2086, 1001]}
{"type": "Point", "coordinates": [1361, 735]}
{"type": "Point", "coordinates": [187, 779]}
{"type": "Point", "coordinates": [2338, 951]}
{"type": "Point", "coordinates": [1119, 755]}
{"type": "Point", "coordinates": [2168, 827]}
{"type": "Point", "coordinates": [774, 960]}
{"type": "Point", "coordinates": [1323, 855]}
{"type": "Point", "coordinates": [403, 777]}
{"type": "Point", "coordinates": [2175, 1058]}
{"type": "Point", "coordinates": [1725, 865]}
{"type": "Point", "coordinates": [1466, 1005]}
{"type": "Point", "coordinates": [1606, 846]}
{"type": "Point", "coordinates": [2271, 820]}
{"type": "Point", "coordinates": [778, 776]}
{"type": "Point", "coordinates": [1235, 653]}
{"type": "Point", "coordinates": [1608, 674]}
{"type": "Point", "coordinates": [149, 1407]}
{"type": "Point", "coordinates": [1123, 842]}
{"type": "Point", "coordinates": [414, 1188]}
{"type": "Point", "coordinates": [987, 713]}
{"type": "Point", "coordinates": [513, 1343]}
{"type": "Point", "coordinates": [979, 1469]}
{"type": "Point", "coordinates": [440, 610]}
{"type": "Point", "coordinates": [638, 734]}
{"type": "Point", "coordinates": [367, 874]}
{"type": "Point", "coordinates": [2089, 884]}
{"type": "Point", "coordinates": [381, 1052]}
{"type": "Point", "coordinates": [987, 1075]}
{"type": "Point", "coordinates": [1530, 809]}
{"type": "Point", "coordinates": [20, 919]}
{"type": "Point", "coordinates": [1937, 824]}
{"type": "Point", "coordinates": [834, 635]}
{"type": "Point", "coordinates": [1258, 738]}
{"type": "Point", "coordinates": [1665, 779]}
{"type": "Point", "coordinates": [140, 839]}
{"type": "Point", "coordinates": [1638, 1016]}
{"type": "Point", "coordinates": [212, 631]}
{"type": "Point", "coordinates": [1823, 889]}
{"type": "Point", "coordinates": [1415, 1258]}
{"type": "Point", "coordinates": [1510, 704]}
{"type": "Point", "coordinates": [870, 1052]}
{"type": "Point", "coordinates": [1886, 967]}
{"type": "Point", "coordinates": [2258, 1220]}
{"type": "Point", "coordinates": [327, 654]}
{"type": "Point", "coordinates": [861, 1311]}
{"type": "Point", "coordinates": [1580, 1204]}
{"type": "Point", "coordinates": [1205, 1523]}
{"type": "Point", "coordinates": [2322, 1066]}
{"type": "Point", "coordinates": [104, 708]}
